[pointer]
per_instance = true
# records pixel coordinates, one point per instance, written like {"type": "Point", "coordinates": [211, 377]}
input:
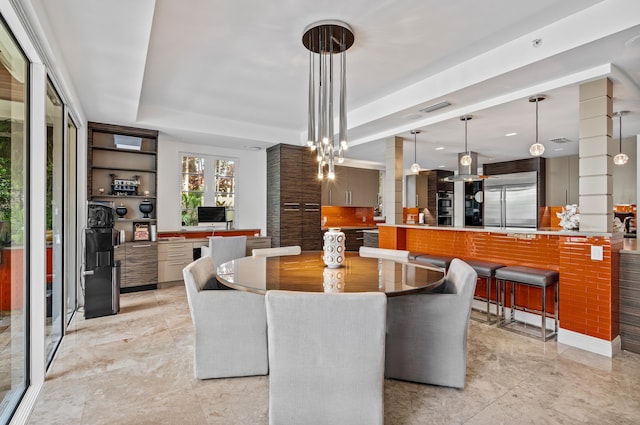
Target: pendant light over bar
{"type": "Point", "coordinates": [537, 148]}
{"type": "Point", "coordinates": [415, 167]}
{"type": "Point", "coordinates": [466, 158]}
{"type": "Point", "coordinates": [324, 40]}
{"type": "Point", "coordinates": [620, 158]}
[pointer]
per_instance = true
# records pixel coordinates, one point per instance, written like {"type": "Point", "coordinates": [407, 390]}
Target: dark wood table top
{"type": "Point", "coordinates": [307, 272]}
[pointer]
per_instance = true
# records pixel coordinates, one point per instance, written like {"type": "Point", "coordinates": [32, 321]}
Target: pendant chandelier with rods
{"type": "Point", "coordinates": [415, 167]}
{"type": "Point", "coordinates": [324, 40]}
{"type": "Point", "coordinates": [537, 148]}
{"type": "Point", "coordinates": [620, 158]}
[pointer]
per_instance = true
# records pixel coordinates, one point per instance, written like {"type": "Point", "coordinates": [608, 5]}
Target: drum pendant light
{"type": "Point", "coordinates": [415, 167]}
{"type": "Point", "coordinates": [537, 148]}
{"type": "Point", "coordinates": [621, 158]}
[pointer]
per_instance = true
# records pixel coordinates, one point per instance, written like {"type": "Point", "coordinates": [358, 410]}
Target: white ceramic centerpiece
{"type": "Point", "coordinates": [333, 248]}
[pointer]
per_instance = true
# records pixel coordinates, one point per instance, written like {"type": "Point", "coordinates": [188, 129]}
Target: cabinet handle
{"type": "Point", "coordinates": [346, 197]}
{"type": "Point", "coordinates": [141, 246]}
{"type": "Point", "coordinates": [330, 202]}
{"type": "Point", "coordinates": [175, 255]}
{"type": "Point", "coordinates": [311, 209]}
{"type": "Point", "coordinates": [292, 204]}
{"type": "Point", "coordinates": [174, 246]}
{"type": "Point", "coordinates": [175, 263]}
{"type": "Point", "coordinates": [292, 209]}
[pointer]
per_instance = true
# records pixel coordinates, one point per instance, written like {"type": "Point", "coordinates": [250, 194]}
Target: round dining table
{"type": "Point", "coordinates": [307, 272]}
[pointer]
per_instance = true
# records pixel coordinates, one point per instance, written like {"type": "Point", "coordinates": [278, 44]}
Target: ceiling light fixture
{"type": "Point", "coordinates": [466, 158]}
{"type": "Point", "coordinates": [324, 40]}
{"type": "Point", "coordinates": [415, 167]}
{"type": "Point", "coordinates": [621, 158]}
{"type": "Point", "coordinates": [435, 107]}
{"type": "Point", "coordinates": [468, 161]}
{"type": "Point", "coordinates": [537, 148]}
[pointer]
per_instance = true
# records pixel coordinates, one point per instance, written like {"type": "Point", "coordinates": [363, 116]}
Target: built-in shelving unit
{"type": "Point", "coordinates": [128, 154]}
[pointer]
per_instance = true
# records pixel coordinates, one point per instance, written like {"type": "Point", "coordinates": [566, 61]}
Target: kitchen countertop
{"type": "Point", "coordinates": [508, 230]}
{"type": "Point", "coordinates": [366, 227]}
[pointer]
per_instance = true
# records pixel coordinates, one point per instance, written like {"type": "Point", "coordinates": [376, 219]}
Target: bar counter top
{"type": "Point", "coordinates": [514, 230]}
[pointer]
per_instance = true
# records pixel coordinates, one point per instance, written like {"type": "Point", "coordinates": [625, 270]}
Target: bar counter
{"type": "Point", "coordinates": [589, 297]}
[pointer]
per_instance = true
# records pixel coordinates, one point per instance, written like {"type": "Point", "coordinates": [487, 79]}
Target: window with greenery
{"type": "Point", "coordinates": [207, 180]}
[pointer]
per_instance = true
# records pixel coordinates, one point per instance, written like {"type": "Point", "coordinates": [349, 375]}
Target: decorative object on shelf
{"type": "Point", "coordinates": [146, 193]}
{"type": "Point", "coordinates": [333, 280]}
{"type": "Point", "coordinates": [124, 187]}
{"type": "Point", "coordinates": [140, 231]}
{"type": "Point", "coordinates": [145, 208]}
{"type": "Point", "coordinates": [101, 190]}
{"type": "Point", "coordinates": [569, 217]}
{"type": "Point", "coordinates": [334, 247]}
{"type": "Point", "coordinates": [620, 158]}
{"type": "Point", "coordinates": [537, 148]}
{"type": "Point", "coordinates": [121, 210]}
{"type": "Point", "coordinates": [326, 38]}
{"type": "Point", "coordinates": [415, 167]}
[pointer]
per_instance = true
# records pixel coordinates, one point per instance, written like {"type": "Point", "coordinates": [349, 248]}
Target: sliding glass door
{"type": "Point", "coordinates": [14, 225]}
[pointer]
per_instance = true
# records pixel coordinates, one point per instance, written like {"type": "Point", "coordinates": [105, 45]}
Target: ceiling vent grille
{"type": "Point", "coordinates": [435, 107]}
{"type": "Point", "coordinates": [560, 140]}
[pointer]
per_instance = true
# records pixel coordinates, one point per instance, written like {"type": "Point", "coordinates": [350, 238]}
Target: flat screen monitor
{"type": "Point", "coordinates": [211, 216]}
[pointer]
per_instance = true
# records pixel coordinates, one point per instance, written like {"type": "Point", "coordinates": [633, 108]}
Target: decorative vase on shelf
{"type": "Point", "coordinates": [145, 208]}
{"type": "Point", "coordinates": [121, 210]}
{"type": "Point", "coordinates": [333, 247]}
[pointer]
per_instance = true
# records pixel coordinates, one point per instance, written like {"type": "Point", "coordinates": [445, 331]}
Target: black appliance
{"type": "Point", "coordinates": [101, 273]}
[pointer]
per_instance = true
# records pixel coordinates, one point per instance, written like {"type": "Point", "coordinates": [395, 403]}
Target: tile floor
{"type": "Point", "coordinates": [136, 368]}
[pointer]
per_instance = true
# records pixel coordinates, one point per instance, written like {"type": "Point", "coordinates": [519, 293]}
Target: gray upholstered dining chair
{"type": "Point", "coordinates": [222, 249]}
{"type": "Point", "coordinates": [384, 253]}
{"type": "Point", "coordinates": [276, 251]}
{"type": "Point", "coordinates": [230, 326]}
{"type": "Point", "coordinates": [427, 332]}
{"type": "Point", "coordinates": [326, 357]}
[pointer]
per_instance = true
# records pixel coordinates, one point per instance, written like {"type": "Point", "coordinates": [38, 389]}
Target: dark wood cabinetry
{"type": "Point", "coordinates": [293, 197]}
{"type": "Point", "coordinates": [436, 186]}
{"type": "Point", "coordinates": [138, 265]}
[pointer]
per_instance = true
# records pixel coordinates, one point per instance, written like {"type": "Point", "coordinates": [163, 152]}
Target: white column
{"type": "Point", "coordinates": [393, 181]}
{"type": "Point", "coordinates": [596, 153]}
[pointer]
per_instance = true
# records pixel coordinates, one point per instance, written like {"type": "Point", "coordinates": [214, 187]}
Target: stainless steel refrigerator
{"type": "Point", "coordinates": [101, 274]}
{"type": "Point", "coordinates": [511, 201]}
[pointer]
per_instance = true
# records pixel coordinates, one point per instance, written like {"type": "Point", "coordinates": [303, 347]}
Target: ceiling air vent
{"type": "Point", "coordinates": [435, 107]}
{"type": "Point", "coordinates": [560, 140]}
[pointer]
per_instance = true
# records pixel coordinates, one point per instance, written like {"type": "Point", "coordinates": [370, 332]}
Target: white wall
{"type": "Point", "coordinates": [251, 184]}
{"type": "Point", "coordinates": [624, 176]}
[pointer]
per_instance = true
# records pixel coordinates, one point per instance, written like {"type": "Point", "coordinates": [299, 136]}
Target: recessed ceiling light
{"type": "Point", "coordinates": [439, 148]}
{"type": "Point", "coordinates": [441, 166]}
{"type": "Point", "coordinates": [558, 149]}
{"type": "Point", "coordinates": [511, 134]}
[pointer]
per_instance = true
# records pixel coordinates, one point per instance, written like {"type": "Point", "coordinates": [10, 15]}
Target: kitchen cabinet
{"type": "Point", "coordinates": [352, 187]}
{"type": "Point", "coordinates": [354, 237]}
{"type": "Point", "coordinates": [257, 242]}
{"type": "Point", "coordinates": [293, 197]}
{"type": "Point", "coordinates": [417, 190]}
{"type": "Point", "coordinates": [562, 180]}
{"type": "Point", "coordinates": [173, 256]}
{"type": "Point", "coordinates": [138, 265]}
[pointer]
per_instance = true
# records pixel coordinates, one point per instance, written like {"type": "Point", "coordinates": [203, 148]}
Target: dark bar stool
{"type": "Point", "coordinates": [437, 260]}
{"type": "Point", "coordinates": [486, 270]}
{"type": "Point", "coordinates": [529, 276]}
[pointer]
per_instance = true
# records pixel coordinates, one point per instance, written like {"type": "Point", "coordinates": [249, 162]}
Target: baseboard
{"type": "Point", "coordinates": [590, 343]}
